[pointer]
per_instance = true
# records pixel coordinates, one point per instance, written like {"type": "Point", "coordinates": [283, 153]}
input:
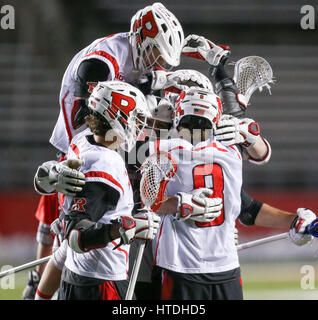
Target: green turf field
{"type": "Point", "coordinates": [269, 281]}
{"type": "Point", "coordinates": [277, 281]}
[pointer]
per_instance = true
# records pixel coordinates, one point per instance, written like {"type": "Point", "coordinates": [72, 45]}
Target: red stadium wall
{"type": "Point", "coordinates": [285, 200]}
{"type": "Point", "coordinates": [18, 209]}
{"type": "Point", "coordinates": [17, 212]}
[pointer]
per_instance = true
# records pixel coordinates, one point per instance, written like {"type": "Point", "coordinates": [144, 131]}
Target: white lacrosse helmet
{"type": "Point", "coordinates": [155, 28]}
{"type": "Point", "coordinates": [123, 106]}
{"type": "Point", "coordinates": [197, 102]}
{"type": "Point", "coordinates": [196, 79]}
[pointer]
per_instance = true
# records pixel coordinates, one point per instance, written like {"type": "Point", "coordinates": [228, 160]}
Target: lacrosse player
{"type": "Point", "coordinates": [155, 41]}
{"type": "Point", "coordinates": [195, 252]}
{"type": "Point", "coordinates": [234, 101]}
{"type": "Point", "coordinates": [98, 221]}
{"type": "Point", "coordinates": [162, 114]}
{"type": "Point", "coordinates": [250, 73]}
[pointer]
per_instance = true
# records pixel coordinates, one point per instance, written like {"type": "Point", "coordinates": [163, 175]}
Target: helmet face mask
{"type": "Point", "coordinates": [156, 38]}
{"type": "Point", "coordinates": [120, 105]}
{"type": "Point", "coordinates": [152, 58]}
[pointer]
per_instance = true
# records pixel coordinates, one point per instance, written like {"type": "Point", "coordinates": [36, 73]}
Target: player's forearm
{"type": "Point", "coordinates": [258, 150]}
{"type": "Point", "coordinates": [269, 216]}
{"type": "Point", "coordinates": [84, 234]}
{"type": "Point", "coordinates": [169, 206]}
{"type": "Point", "coordinates": [259, 153]}
{"type": "Point", "coordinates": [50, 279]}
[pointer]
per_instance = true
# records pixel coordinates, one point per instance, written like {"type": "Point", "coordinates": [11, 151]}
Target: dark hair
{"type": "Point", "coordinates": [195, 122]}
{"type": "Point", "coordinates": [97, 125]}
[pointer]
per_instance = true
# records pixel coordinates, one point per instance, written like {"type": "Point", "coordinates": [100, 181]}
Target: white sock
{"type": "Point", "coordinates": [40, 296]}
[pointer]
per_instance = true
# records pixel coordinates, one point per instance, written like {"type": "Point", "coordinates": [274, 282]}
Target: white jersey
{"type": "Point", "coordinates": [116, 52]}
{"type": "Point", "coordinates": [193, 247]}
{"type": "Point", "coordinates": [101, 165]}
{"type": "Point", "coordinates": [168, 145]}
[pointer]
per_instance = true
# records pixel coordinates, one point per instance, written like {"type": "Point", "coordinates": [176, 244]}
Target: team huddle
{"type": "Point", "coordinates": [119, 97]}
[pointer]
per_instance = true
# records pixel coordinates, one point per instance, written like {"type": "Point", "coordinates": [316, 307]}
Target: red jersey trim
{"type": "Point", "coordinates": [108, 57]}
{"type": "Point", "coordinates": [237, 152]}
{"type": "Point", "coordinates": [106, 38]}
{"type": "Point", "coordinates": [104, 175]}
{"type": "Point", "coordinates": [75, 149]}
{"type": "Point", "coordinates": [211, 145]}
{"type": "Point", "coordinates": [121, 250]}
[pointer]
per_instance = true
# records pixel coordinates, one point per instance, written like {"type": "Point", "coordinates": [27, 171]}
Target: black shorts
{"type": "Point", "coordinates": [144, 291]}
{"type": "Point", "coordinates": [178, 286]}
{"type": "Point", "coordinates": [108, 290]}
{"type": "Point", "coordinates": [76, 287]}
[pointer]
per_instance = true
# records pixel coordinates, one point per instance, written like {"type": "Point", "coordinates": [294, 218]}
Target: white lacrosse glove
{"type": "Point", "coordinates": [228, 130]}
{"type": "Point", "coordinates": [147, 225]}
{"type": "Point", "coordinates": [203, 49]}
{"type": "Point", "coordinates": [54, 176]}
{"type": "Point", "coordinates": [127, 230]}
{"type": "Point", "coordinates": [297, 232]}
{"type": "Point", "coordinates": [197, 206]}
{"type": "Point", "coordinates": [57, 228]}
{"type": "Point", "coordinates": [250, 130]}
{"type": "Point", "coordinates": [169, 80]}
{"type": "Point", "coordinates": [231, 130]}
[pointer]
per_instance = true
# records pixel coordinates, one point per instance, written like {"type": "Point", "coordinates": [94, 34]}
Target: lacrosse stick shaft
{"type": "Point", "coordinates": [262, 241]}
{"type": "Point", "coordinates": [135, 271]}
{"type": "Point", "coordinates": [25, 266]}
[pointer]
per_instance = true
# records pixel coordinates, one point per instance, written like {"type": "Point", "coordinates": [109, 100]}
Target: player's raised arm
{"type": "Point", "coordinates": [89, 73]}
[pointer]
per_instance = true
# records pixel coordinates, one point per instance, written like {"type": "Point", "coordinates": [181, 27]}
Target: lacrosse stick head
{"type": "Point", "coordinates": [251, 73]}
{"type": "Point", "coordinates": [156, 172]}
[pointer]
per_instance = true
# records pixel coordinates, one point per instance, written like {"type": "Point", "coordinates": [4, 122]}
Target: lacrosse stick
{"type": "Point", "coordinates": [156, 172]}
{"type": "Point", "coordinates": [311, 229]}
{"type": "Point", "coordinates": [251, 73]}
{"type": "Point", "coordinates": [25, 266]}
{"type": "Point", "coordinates": [261, 241]}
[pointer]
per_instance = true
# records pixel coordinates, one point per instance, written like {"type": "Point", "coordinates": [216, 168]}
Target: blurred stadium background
{"type": "Point", "coordinates": [48, 33]}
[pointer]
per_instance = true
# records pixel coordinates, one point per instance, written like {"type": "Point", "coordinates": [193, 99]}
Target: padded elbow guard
{"type": "Point", "coordinates": [249, 209]}
{"type": "Point", "coordinates": [87, 235]}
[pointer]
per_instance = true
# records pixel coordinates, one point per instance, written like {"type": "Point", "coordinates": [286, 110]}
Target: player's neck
{"type": "Point", "coordinates": [111, 144]}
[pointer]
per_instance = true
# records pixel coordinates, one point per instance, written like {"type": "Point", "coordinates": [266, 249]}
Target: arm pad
{"type": "Point", "coordinates": [87, 235]}
{"type": "Point", "coordinates": [249, 209]}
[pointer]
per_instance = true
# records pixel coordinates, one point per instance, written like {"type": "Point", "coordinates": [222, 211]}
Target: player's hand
{"type": "Point", "coordinates": [32, 284]}
{"type": "Point", "coordinates": [297, 232]}
{"type": "Point", "coordinates": [231, 130]}
{"type": "Point", "coordinates": [169, 81]}
{"type": "Point", "coordinates": [54, 176]}
{"type": "Point", "coordinates": [198, 47]}
{"type": "Point", "coordinates": [198, 206]}
{"type": "Point", "coordinates": [127, 230]}
{"type": "Point", "coordinates": [65, 178]}
{"type": "Point", "coordinates": [147, 225]}
{"type": "Point", "coordinates": [57, 228]}
{"type": "Point", "coordinates": [228, 131]}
